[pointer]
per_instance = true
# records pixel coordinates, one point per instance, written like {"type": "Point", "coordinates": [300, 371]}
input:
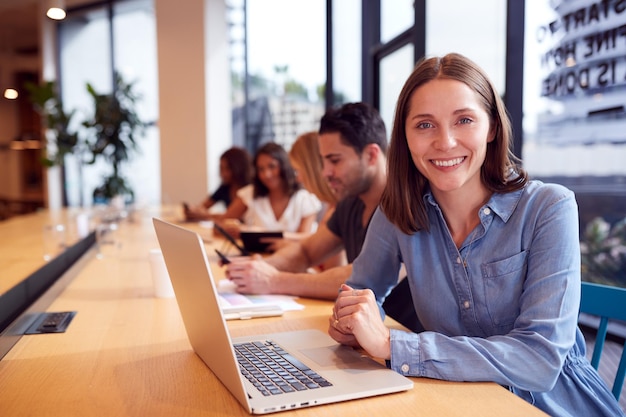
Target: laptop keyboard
{"type": "Point", "coordinates": [273, 371]}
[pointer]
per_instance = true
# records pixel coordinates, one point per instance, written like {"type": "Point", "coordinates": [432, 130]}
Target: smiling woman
{"type": "Point", "coordinates": [447, 132]}
{"type": "Point", "coordinates": [275, 200]}
{"type": "Point", "coordinates": [492, 258]}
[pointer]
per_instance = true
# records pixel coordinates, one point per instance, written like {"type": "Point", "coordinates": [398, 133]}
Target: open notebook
{"type": "Point", "coordinates": [240, 306]}
{"type": "Point", "coordinates": [308, 367]}
{"type": "Point", "coordinates": [236, 306]}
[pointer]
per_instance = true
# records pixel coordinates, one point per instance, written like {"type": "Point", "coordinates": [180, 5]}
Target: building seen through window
{"type": "Point", "coordinates": [278, 69]}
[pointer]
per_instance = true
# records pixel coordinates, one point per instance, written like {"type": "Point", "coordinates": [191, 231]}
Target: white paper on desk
{"type": "Point", "coordinates": [230, 297]}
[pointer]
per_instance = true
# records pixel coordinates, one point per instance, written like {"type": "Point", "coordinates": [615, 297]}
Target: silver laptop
{"type": "Point", "coordinates": [307, 367]}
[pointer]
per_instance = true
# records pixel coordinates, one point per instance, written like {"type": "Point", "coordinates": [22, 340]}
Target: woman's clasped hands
{"type": "Point", "coordinates": [356, 322]}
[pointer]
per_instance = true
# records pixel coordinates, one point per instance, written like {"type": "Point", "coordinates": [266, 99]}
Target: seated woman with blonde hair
{"type": "Point", "coordinates": [306, 160]}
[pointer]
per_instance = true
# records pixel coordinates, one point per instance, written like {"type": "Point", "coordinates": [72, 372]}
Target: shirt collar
{"type": "Point", "coordinates": [502, 204]}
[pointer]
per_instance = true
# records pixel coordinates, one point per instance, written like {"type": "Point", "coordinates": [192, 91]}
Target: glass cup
{"type": "Point", "coordinates": [107, 240]}
{"type": "Point", "coordinates": [54, 240]}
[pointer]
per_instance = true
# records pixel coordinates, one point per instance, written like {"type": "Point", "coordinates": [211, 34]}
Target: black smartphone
{"type": "Point", "coordinates": [223, 257]}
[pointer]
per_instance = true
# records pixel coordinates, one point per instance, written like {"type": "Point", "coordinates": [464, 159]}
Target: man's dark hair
{"type": "Point", "coordinates": [358, 124]}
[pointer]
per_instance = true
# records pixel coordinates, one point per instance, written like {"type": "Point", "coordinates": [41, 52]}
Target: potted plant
{"type": "Point", "coordinates": [112, 134]}
{"type": "Point", "coordinates": [60, 139]}
{"type": "Point", "coordinates": [603, 252]}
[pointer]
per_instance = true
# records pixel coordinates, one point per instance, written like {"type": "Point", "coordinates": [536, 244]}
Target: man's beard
{"type": "Point", "coordinates": [353, 189]}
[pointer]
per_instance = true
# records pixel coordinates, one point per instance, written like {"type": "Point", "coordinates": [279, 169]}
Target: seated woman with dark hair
{"type": "Point", "coordinates": [275, 200]}
{"type": "Point", "coordinates": [235, 172]}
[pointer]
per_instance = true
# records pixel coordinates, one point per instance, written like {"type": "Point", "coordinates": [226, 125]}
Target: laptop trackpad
{"type": "Point", "coordinates": [339, 356]}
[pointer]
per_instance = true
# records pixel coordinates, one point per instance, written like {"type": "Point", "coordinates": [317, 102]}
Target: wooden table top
{"type": "Point", "coordinates": [126, 353]}
{"type": "Point", "coordinates": [21, 245]}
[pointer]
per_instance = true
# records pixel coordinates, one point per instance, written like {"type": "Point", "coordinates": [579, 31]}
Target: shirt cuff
{"type": "Point", "coordinates": [405, 353]}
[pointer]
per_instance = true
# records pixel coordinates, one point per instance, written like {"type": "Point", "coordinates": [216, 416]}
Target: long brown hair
{"type": "Point", "coordinates": [239, 163]}
{"type": "Point", "coordinates": [287, 174]}
{"type": "Point", "coordinates": [402, 200]}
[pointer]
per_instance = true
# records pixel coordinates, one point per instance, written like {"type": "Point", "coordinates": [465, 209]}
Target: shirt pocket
{"type": "Point", "coordinates": [503, 282]}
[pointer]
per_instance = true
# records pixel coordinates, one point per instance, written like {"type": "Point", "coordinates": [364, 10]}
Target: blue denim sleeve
{"type": "Point", "coordinates": [378, 263]}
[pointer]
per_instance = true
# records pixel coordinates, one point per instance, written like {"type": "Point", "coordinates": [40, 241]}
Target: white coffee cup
{"type": "Point", "coordinates": [160, 277]}
{"type": "Point", "coordinates": [82, 225]}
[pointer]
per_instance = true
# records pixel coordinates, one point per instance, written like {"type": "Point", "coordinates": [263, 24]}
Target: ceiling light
{"type": "Point", "coordinates": [10, 93]}
{"type": "Point", "coordinates": [56, 9]}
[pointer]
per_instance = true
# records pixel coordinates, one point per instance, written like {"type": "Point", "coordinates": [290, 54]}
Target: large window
{"type": "Point", "coordinates": [483, 40]}
{"type": "Point", "coordinates": [132, 53]}
{"type": "Point", "coordinates": [346, 51]}
{"type": "Point", "coordinates": [278, 69]}
{"type": "Point", "coordinates": [574, 116]}
{"type": "Point", "coordinates": [395, 68]}
{"type": "Point", "coordinates": [395, 17]}
{"type": "Point", "coordinates": [575, 120]}
{"type": "Point", "coordinates": [476, 29]}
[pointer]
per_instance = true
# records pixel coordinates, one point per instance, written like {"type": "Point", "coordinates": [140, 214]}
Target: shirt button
{"type": "Point", "coordinates": [405, 368]}
{"type": "Point", "coordinates": [458, 260]}
{"type": "Point", "coordinates": [487, 211]}
{"type": "Point", "coordinates": [466, 304]}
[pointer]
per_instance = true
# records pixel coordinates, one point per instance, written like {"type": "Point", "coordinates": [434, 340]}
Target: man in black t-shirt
{"type": "Point", "coordinates": [353, 143]}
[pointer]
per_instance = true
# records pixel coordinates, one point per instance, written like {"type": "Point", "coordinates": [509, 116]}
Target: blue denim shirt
{"type": "Point", "coordinates": [502, 308]}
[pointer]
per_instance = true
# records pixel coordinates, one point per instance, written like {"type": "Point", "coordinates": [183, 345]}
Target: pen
{"type": "Point", "coordinates": [223, 257]}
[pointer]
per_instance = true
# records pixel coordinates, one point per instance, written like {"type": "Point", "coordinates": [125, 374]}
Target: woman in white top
{"type": "Point", "coordinates": [275, 200]}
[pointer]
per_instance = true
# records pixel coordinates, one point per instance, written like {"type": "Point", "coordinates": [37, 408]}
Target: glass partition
{"type": "Point", "coordinates": [575, 120]}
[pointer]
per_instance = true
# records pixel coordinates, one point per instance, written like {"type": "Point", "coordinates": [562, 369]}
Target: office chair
{"type": "Point", "coordinates": [608, 303]}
